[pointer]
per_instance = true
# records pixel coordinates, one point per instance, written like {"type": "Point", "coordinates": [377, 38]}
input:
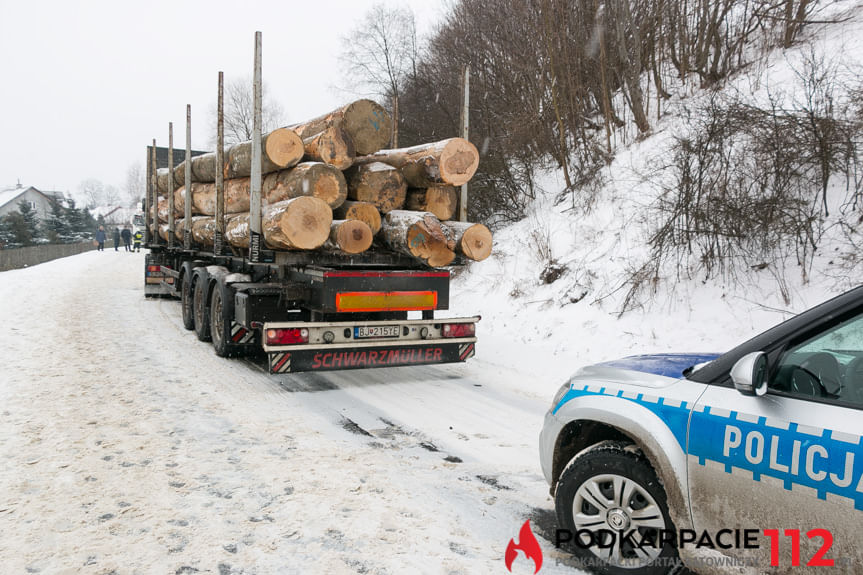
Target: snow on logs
{"type": "Point", "coordinates": [365, 122]}
{"type": "Point", "coordinates": [314, 179]}
{"type": "Point", "coordinates": [297, 224]}
{"type": "Point", "coordinates": [453, 161]}
{"type": "Point", "coordinates": [347, 195]}
{"type": "Point", "coordinates": [332, 146]}
{"type": "Point", "coordinates": [417, 234]}
{"type": "Point", "coordinates": [280, 149]}
{"type": "Point", "coordinates": [473, 241]}
{"type": "Point", "coordinates": [379, 184]}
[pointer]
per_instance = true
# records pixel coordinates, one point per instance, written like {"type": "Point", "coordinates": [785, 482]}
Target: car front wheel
{"type": "Point", "coordinates": [614, 507]}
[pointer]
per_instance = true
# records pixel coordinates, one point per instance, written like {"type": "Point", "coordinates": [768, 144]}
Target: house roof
{"type": "Point", "coordinates": [10, 195]}
{"type": "Point", "coordinates": [7, 196]}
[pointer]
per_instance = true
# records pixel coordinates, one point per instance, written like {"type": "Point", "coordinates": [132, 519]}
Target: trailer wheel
{"type": "Point", "coordinates": [221, 318]}
{"type": "Point", "coordinates": [186, 299]}
{"type": "Point", "coordinates": [202, 317]}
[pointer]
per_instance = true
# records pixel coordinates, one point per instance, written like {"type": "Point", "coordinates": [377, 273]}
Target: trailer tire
{"type": "Point", "coordinates": [187, 301]}
{"type": "Point", "coordinates": [202, 315]}
{"type": "Point", "coordinates": [221, 320]}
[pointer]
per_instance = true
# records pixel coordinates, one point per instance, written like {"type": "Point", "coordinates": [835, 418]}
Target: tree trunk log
{"type": "Point", "coordinates": [362, 211]}
{"type": "Point", "coordinates": [473, 241]}
{"type": "Point", "coordinates": [165, 231]}
{"type": "Point", "coordinates": [417, 234]}
{"type": "Point", "coordinates": [332, 146]}
{"type": "Point", "coordinates": [280, 149]}
{"type": "Point", "coordinates": [453, 161]}
{"type": "Point", "coordinates": [365, 122]}
{"type": "Point", "coordinates": [237, 230]}
{"type": "Point", "coordinates": [163, 207]}
{"type": "Point", "coordinates": [439, 200]}
{"type": "Point", "coordinates": [314, 179]}
{"type": "Point", "coordinates": [203, 230]}
{"type": "Point", "coordinates": [237, 197]}
{"type": "Point", "coordinates": [349, 236]}
{"type": "Point", "coordinates": [297, 224]}
{"type": "Point", "coordinates": [165, 184]}
{"type": "Point", "coordinates": [379, 184]}
{"type": "Point", "coordinates": [204, 167]}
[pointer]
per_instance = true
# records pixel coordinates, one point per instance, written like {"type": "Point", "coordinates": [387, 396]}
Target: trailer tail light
{"type": "Point", "coordinates": [386, 301]}
{"type": "Point", "coordinates": [153, 269]}
{"type": "Point", "coordinates": [458, 330]}
{"type": "Point", "coordinates": [287, 336]}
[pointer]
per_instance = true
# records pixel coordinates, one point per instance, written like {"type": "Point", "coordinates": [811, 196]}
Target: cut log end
{"type": "Point", "coordinates": [301, 223]}
{"type": "Point", "coordinates": [362, 211]}
{"type": "Point", "coordinates": [476, 242]}
{"type": "Point", "coordinates": [458, 162]}
{"type": "Point", "coordinates": [284, 148]}
{"type": "Point", "coordinates": [351, 236]}
{"type": "Point", "coordinates": [368, 125]}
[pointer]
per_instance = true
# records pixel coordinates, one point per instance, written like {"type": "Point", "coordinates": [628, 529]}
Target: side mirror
{"type": "Point", "coordinates": [749, 374]}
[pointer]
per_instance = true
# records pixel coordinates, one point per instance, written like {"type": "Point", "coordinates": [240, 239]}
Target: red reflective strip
{"type": "Point", "coordinates": [343, 274]}
{"type": "Point", "coordinates": [239, 335]}
{"type": "Point", "coordinates": [466, 353]}
{"type": "Point", "coordinates": [279, 365]}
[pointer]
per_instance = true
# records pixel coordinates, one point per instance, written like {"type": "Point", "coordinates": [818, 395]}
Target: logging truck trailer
{"type": "Point", "coordinates": [311, 311]}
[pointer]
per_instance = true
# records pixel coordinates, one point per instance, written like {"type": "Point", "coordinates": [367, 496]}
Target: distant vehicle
{"type": "Point", "coordinates": [751, 459]}
{"type": "Point", "coordinates": [138, 222]}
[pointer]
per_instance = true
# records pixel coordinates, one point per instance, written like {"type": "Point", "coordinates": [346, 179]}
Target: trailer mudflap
{"type": "Point", "coordinates": [328, 359]}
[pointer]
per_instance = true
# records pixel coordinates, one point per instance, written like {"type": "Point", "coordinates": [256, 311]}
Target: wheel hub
{"type": "Point", "coordinates": [618, 519]}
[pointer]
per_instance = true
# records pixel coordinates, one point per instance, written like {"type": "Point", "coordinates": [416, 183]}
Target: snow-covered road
{"type": "Point", "coordinates": [127, 446]}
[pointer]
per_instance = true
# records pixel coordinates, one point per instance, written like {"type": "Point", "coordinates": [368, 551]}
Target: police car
{"type": "Point", "coordinates": [749, 461]}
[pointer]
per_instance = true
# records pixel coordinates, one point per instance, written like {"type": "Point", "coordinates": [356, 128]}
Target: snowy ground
{"type": "Point", "coordinates": [127, 446]}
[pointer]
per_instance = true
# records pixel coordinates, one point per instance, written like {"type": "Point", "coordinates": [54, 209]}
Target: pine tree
{"type": "Point", "coordinates": [30, 221]}
{"type": "Point", "coordinates": [18, 228]}
{"type": "Point", "coordinates": [7, 238]}
{"type": "Point", "coordinates": [56, 228]}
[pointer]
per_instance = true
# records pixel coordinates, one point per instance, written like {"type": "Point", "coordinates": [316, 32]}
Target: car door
{"type": "Point", "coordinates": [787, 465]}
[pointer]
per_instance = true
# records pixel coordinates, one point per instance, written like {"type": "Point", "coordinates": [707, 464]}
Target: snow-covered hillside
{"type": "Point", "coordinates": [576, 319]}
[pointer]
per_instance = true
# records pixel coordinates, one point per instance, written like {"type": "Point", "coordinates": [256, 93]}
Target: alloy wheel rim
{"type": "Point", "coordinates": [618, 520]}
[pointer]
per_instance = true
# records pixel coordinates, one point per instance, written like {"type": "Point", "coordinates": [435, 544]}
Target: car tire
{"type": "Point", "coordinates": [589, 498]}
{"type": "Point", "coordinates": [202, 313]}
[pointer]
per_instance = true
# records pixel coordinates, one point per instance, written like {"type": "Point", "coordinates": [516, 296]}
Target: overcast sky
{"type": "Point", "coordinates": [87, 85]}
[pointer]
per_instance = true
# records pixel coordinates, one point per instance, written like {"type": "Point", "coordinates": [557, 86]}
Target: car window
{"type": "Point", "coordinates": [827, 366]}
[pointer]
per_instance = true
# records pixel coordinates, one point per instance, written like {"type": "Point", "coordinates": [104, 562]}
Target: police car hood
{"type": "Point", "coordinates": [648, 370]}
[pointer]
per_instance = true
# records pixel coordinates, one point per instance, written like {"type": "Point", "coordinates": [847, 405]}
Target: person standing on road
{"type": "Point", "coordinates": [100, 239]}
{"type": "Point", "coordinates": [127, 238]}
{"type": "Point", "coordinates": [138, 237]}
{"type": "Point", "coordinates": [116, 235]}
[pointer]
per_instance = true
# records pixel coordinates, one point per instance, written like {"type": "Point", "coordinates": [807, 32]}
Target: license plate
{"type": "Point", "coordinates": [376, 331]}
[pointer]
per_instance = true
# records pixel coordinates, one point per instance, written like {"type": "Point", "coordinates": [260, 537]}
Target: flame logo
{"type": "Point", "coordinates": [528, 544]}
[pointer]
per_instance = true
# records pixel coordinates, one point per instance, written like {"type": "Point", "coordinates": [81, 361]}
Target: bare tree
{"type": "Point", "coordinates": [112, 195]}
{"type": "Point", "coordinates": [239, 112]}
{"type": "Point", "coordinates": [134, 187]}
{"type": "Point", "coordinates": [93, 192]}
{"type": "Point", "coordinates": [381, 54]}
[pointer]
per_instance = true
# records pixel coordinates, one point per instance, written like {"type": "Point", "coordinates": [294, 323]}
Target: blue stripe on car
{"type": "Point", "coordinates": [666, 364]}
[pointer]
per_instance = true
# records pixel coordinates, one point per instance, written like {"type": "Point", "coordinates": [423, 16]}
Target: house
{"type": "Point", "coordinates": [38, 200]}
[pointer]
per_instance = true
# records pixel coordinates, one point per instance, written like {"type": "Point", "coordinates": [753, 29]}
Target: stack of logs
{"type": "Point", "coordinates": [328, 185]}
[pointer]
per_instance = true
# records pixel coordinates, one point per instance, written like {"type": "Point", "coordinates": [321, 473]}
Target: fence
{"type": "Point", "coordinates": [23, 257]}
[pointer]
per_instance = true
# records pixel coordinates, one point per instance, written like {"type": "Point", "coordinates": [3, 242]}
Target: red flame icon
{"type": "Point", "coordinates": [528, 544]}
